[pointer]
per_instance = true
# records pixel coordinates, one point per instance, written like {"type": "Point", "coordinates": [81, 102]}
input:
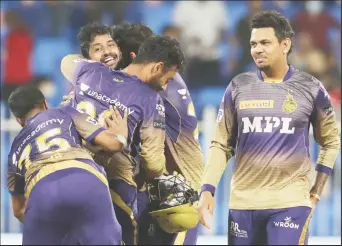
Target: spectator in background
{"type": "Point", "coordinates": [317, 22]}
{"type": "Point", "coordinates": [308, 57]}
{"type": "Point", "coordinates": [243, 36]}
{"type": "Point", "coordinates": [17, 57]}
{"type": "Point", "coordinates": [172, 31]}
{"type": "Point", "coordinates": [203, 26]}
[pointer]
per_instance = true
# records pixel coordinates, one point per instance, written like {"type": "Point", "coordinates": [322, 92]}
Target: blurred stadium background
{"type": "Point", "coordinates": [35, 35]}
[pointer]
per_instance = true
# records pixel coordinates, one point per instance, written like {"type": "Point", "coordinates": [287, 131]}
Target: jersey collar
{"type": "Point", "coordinates": [288, 75]}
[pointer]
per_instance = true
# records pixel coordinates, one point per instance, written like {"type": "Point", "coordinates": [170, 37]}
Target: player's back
{"type": "Point", "coordinates": [49, 139]}
{"type": "Point", "coordinates": [182, 148]}
{"type": "Point", "coordinates": [96, 88]}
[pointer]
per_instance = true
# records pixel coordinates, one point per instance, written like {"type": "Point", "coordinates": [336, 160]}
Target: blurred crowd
{"type": "Point", "coordinates": [35, 35]}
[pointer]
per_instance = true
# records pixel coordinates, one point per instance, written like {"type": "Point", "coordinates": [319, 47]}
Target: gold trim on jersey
{"type": "Point", "coordinates": [256, 104]}
{"type": "Point", "coordinates": [116, 198]}
{"type": "Point", "coordinates": [51, 168]}
{"type": "Point", "coordinates": [305, 229]}
{"type": "Point", "coordinates": [180, 238]}
{"type": "Point", "coordinates": [289, 105]}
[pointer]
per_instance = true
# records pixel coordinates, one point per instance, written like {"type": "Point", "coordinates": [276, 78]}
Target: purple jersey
{"type": "Point", "coordinates": [96, 88]}
{"type": "Point", "coordinates": [266, 125]}
{"type": "Point", "coordinates": [51, 137]}
{"type": "Point", "coordinates": [183, 152]}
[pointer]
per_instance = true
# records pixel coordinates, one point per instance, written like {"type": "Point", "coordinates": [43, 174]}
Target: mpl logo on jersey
{"type": "Point", "coordinates": [287, 223]}
{"type": "Point", "coordinates": [235, 231]}
{"type": "Point", "coordinates": [161, 110]}
{"type": "Point", "coordinates": [267, 124]}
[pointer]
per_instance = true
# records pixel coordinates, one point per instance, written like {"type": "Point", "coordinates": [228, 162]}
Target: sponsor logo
{"type": "Point", "coordinates": [183, 92]}
{"type": "Point", "coordinates": [161, 110]}
{"type": "Point", "coordinates": [236, 231]}
{"type": "Point", "coordinates": [267, 124]}
{"type": "Point", "coordinates": [118, 80]}
{"type": "Point", "coordinates": [159, 124]}
{"type": "Point", "coordinates": [256, 104]}
{"type": "Point", "coordinates": [287, 223]}
{"type": "Point", "coordinates": [101, 97]}
{"type": "Point", "coordinates": [328, 109]}
{"type": "Point", "coordinates": [219, 115]}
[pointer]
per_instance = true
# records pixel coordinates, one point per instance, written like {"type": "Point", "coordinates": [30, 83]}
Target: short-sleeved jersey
{"type": "Point", "coordinates": [182, 150]}
{"type": "Point", "coordinates": [96, 88]}
{"type": "Point", "coordinates": [51, 137]}
{"type": "Point", "coordinates": [266, 126]}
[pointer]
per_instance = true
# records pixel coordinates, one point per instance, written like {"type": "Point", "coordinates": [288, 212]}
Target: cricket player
{"type": "Point", "coordinates": [264, 120]}
{"type": "Point", "coordinates": [58, 191]}
{"type": "Point", "coordinates": [134, 88]}
{"type": "Point", "coordinates": [182, 150]}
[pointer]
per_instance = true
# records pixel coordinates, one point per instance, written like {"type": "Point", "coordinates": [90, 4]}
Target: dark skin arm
{"type": "Point", "coordinates": [317, 188]}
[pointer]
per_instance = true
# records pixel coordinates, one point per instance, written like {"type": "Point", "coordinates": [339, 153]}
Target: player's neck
{"type": "Point", "coordinates": [278, 73]}
{"type": "Point", "coordinates": [134, 70]}
{"type": "Point", "coordinates": [33, 113]}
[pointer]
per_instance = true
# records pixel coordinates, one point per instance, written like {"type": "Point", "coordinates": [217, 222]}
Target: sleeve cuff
{"type": "Point", "coordinates": [323, 169]}
{"type": "Point", "coordinates": [94, 134]}
{"type": "Point", "coordinates": [208, 187]}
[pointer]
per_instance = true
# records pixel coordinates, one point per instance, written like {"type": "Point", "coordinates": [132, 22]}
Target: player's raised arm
{"type": "Point", "coordinates": [16, 187]}
{"type": "Point", "coordinates": [152, 135]}
{"type": "Point", "coordinates": [221, 150]}
{"type": "Point", "coordinates": [114, 139]}
{"type": "Point", "coordinates": [70, 65]}
{"type": "Point", "coordinates": [326, 133]}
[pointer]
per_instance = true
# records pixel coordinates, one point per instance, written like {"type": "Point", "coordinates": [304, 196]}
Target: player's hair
{"type": "Point", "coordinates": [24, 99]}
{"type": "Point", "coordinates": [87, 34]}
{"type": "Point", "coordinates": [129, 37]}
{"type": "Point", "coordinates": [161, 49]}
{"type": "Point", "coordinates": [274, 19]}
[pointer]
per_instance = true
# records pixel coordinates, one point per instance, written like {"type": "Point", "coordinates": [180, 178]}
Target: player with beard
{"type": "Point", "coordinates": [264, 120]}
{"type": "Point", "coordinates": [134, 88]}
{"type": "Point", "coordinates": [182, 150]}
{"type": "Point", "coordinates": [97, 44]}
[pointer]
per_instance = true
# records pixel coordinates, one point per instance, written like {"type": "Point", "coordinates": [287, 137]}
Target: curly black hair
{"type": "Point", "coordinates": [274, 19]}
{"type": "Point", "coordinates": [87, 34]}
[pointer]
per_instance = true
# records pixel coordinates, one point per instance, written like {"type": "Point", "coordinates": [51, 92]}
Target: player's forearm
{"type": "Point", "coordinates": [69, 66]}
{"type": "Point", "coordinates": [217, 162]}
{"type": "Point", "coordinates": [321, 179]}
{"type": "Point", "coordinates": [154, 165]}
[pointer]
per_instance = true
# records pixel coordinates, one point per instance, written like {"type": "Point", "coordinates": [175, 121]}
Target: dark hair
{"type": "Point", "coordinates": [274, 19]}
{"type": "Point", "coordinates": [87, 34]}
{"type": "Point", "coordinates": [161, 49]}
{"type": "Point", "coordinates": [129, 37]}
{"type": "Point", "coordinates": [25, 98]}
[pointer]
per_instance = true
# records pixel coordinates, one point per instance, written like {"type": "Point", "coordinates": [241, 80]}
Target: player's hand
{"type": "Point", "coordinates": [67, 98]}
{"type": "Point", "coordinates": [205, 208]}
{"type": "Point", "coordinates": [117, 124]}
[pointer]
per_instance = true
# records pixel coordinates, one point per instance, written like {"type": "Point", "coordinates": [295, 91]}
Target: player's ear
{"type": "Point", "coordinates": [133, 55]}
{"type": "Point", "coordinates": [45, 105]}
{"type": "Point", "coordinates": [157, 68]}
{"type": "Point", "coordinates": [286, 45]}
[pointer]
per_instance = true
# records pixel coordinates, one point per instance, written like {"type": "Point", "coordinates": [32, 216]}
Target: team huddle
{"type": "Point", "coordinates": [119, 161]}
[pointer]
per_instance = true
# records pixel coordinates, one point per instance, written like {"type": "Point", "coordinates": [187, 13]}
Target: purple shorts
{"type": "Point", "coordinates": [287, 226]}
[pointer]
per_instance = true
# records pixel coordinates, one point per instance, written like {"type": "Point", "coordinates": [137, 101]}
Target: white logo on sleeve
{"type": "Point", "coordinates": [236, 232]}
{"type": "Point", "coordinates": [287, 223]}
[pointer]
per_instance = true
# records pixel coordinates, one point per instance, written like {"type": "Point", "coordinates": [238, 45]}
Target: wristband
{"type": "Point", "coordinates": [315, 196]}
{"type": "Point", "coordinates": [122, 140]}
